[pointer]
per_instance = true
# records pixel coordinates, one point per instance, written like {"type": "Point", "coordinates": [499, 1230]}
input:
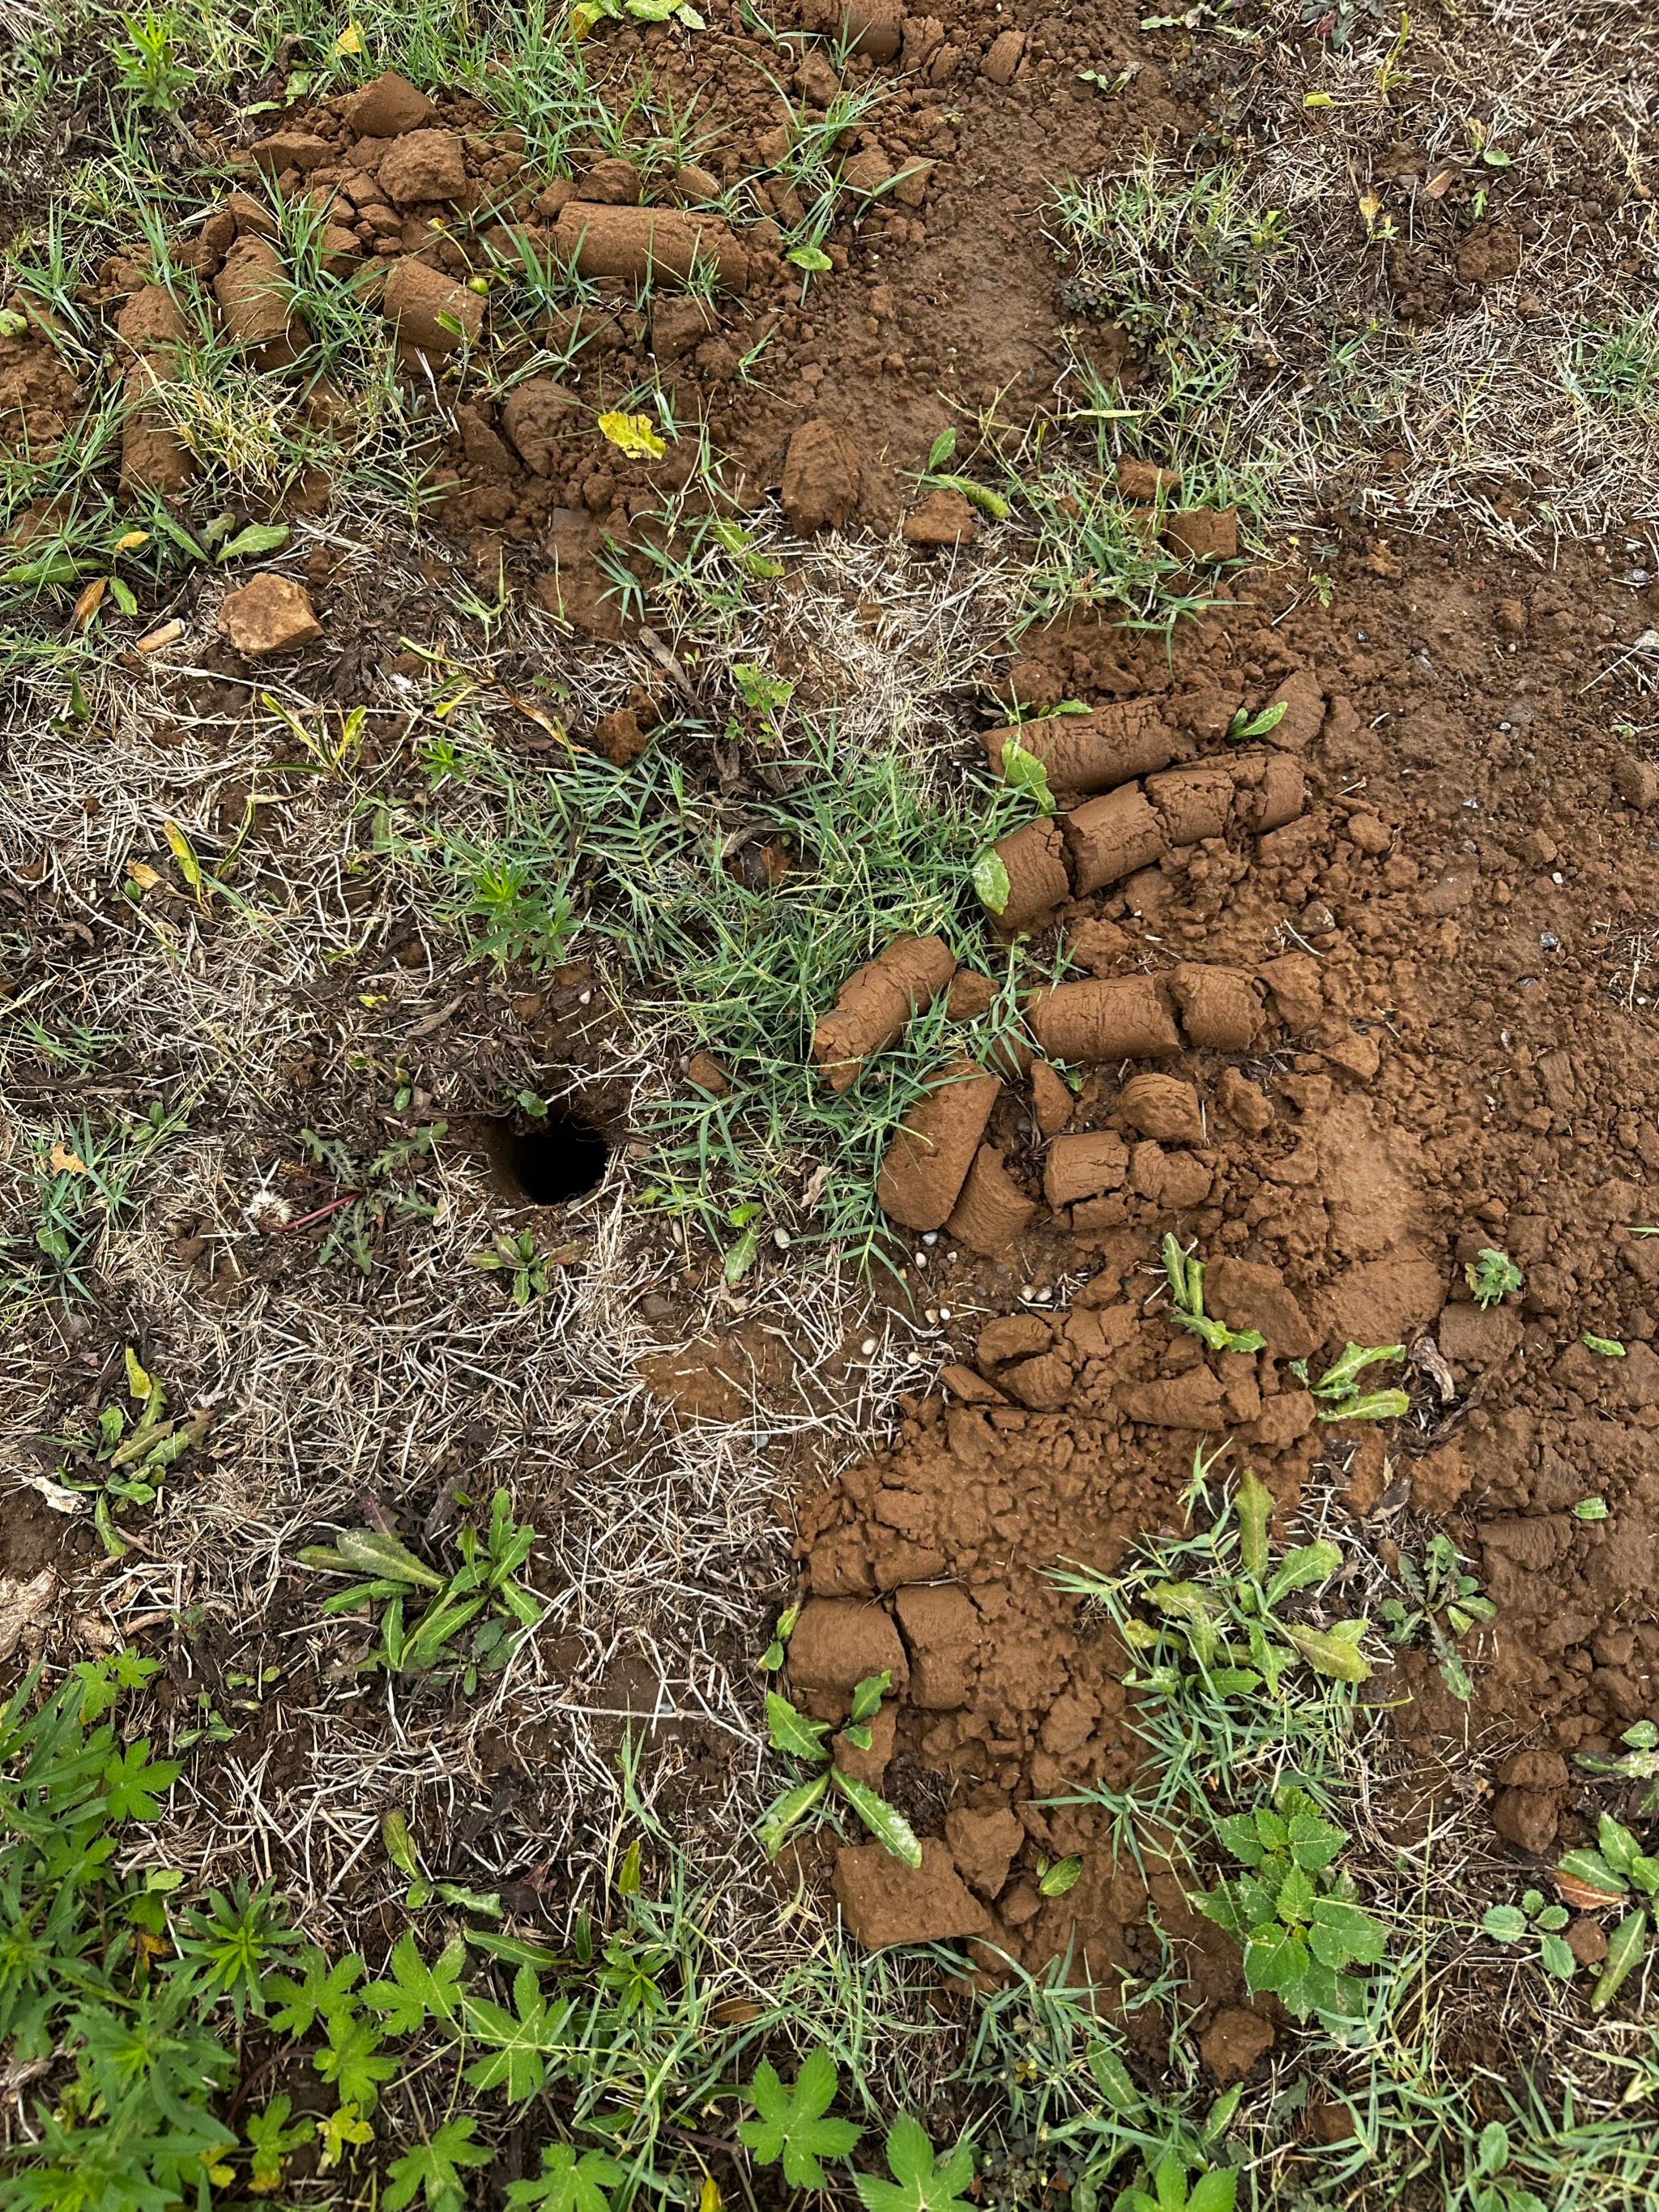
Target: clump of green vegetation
{"type": "Point", "coordinates": [486, 1584]}
{"type": "Point", "coordinates": [126, 1459]}
{"type": "Point", "coordinates": [367, 1196]}
{"type": "Point", "coordinates": [800, 1738]}
{"type": "Point", "coordinates": [1493, 1277]}
{"type": "Point", "coordinates": [1442, 1603]}
{"type": "Point", "coordinates": [1616, 366]}
{"type": "Point", "coordinates": [1338, 1388]}
{"type": "Point", "coordinates": [1186, 1280]}
{"type": "Point", "coordinates": [1537, 1918]}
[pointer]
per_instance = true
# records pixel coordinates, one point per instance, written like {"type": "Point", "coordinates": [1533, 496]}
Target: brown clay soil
{"type": "Point", "coordinates": [1442, 960]}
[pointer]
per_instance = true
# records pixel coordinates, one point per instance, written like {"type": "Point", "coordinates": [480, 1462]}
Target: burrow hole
{"type": "Point", "coordinates": [552, 1160]}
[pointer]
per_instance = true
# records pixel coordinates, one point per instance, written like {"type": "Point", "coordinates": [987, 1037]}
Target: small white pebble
{"type": "Point", "coordinates": [944, 1313]}
{"type": "Point", "coordinates": [781, 1238]}
{"type": "Point", "coordinates": [1044, 1295]}
{"type": "Point", "coordinates": [930, 1236]}
{"type": "Point", "coordinates": [868, 1346]}
{"type": "Point", "coordinates": [922, 1258]}
{"type": "Point", "coordinates": [932, 1316]}
{"type": "Point", "coordinates": [1028, 1290]}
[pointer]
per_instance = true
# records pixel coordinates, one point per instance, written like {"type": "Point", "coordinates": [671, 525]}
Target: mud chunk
{"type": "Point", "coordinates": [1038, 880]}
{"type": "Point", "coordinates": [1587, 1940]}
{"type": "Point", "coordinates": [1244, 1102]}
{"type": "Point", "coordinates": [944, 518]}
{"type": "Point", "coordinates": [821, 476]}
{"type": "Point", "coordinates": [290, 149]}
{"type": "Point", "coordinates": [1097, 946]}
{"type": "Point", "coordinates": [1082, 1166]}
{"type": "Point", "coordinates": [1052, 1102]}
{"type": "Point", "coordinates": [253, 302]}
{"type": "Point", "coordinates": [869, 1765]}
{"type": "Point", "coordinates": [1452, 889]}
{"type": "Point", "coordinates": [1381, 1302]}
{"type": "Point", "coordinates": [1439, 1480]}
{"type": "Point", "coordinates": [1369, 834]}
{"type": "Point", "coordinates": [1304, 718]}
{"type": "Point", "coordinates": [1532, 1542]}
{"type": "Point", "coordinates": [1120, 1019]}
{"type": "Point", "coordinates": [971, 996]}
{"type": "Point", "coordinates": [1144, 482]}
{"type": "Point", "coordinates": [941, 1628]}
{"type": "Point", "coordinates": [883, 1901]}
{"type": "Point", "coordinates": [677, 324]}
{"type": "Point", "coordinates": [1471, 1336]}
{"type": "Point", "coordinates": [387, 107]}
{"type": "Point", "coordinates": [540, 417]}
{"type": "Point", "coordinates": [1298, 994]}
{"type": "Point", "coordinates": [637, 242]}
{"type": "Point", "coordinates": [1247, 1296]}
{"type": "Point", "coordinates": [422, 301]}
{"type": "Point", "coordinates": [927, 1161]}
{"type": "Point", "coordinates": [1011, 1336]}
{"type": "Point", "coordinates": [837, 1642]}
{"type": "Point", "coordinates": [1174, 1181]}
{"type": "Point", "coordinates": [984, 1846]}
{"type": "Point", "coordinates": [1283, 1418]}
{"type": "Point", "coordinates": [1043, 1383]}
{"type": "Point", "coordinates": [1636, 782]}
{"type": "Point", "coordinates": [1218, 1006]}
{"type": "Point", "coordinates": [153, 457]}
{"type": "Point", "coordinates": [621, 735]}
{"type": "Point", "coordinates": [1003, 56]}
{"type": "Point", "coordinates": [1195, 802]}
{"type": "Point", "coordinates": [1110, 837]}
{"type": "Point", "coordinates": [421, 167]}
{"type": "Point", "coordinates": [1091, 752]}
{"type": "Point", "coordinates": [1534, 1770]}
{"type": "Point", "coordinates": [973, 1389]}
{"type": "Point", "coordinates": [815, 80]}
{"type": "Point", "coordinates": [1233, 2042]}
{"type": "Point", "coordinates": [151, 322]}
{"type": "Point", "coordinates": [1525, 1818]}
{"type": "Point", "coordinates": [270, 614]}
{"type": "Point", "coordinates": [992, 1211]}
{"type": "Point", "coordinates": [612, 182]}
{"type": "Point", "coordinates": [1203, 533]}
{"type": "Point", "coordinates": [1164, 1107]}
{"type": "Point", "coordinates": [1277, 799]}
{"type": "Point", "coordinates": [706, 1071]}
{"type": "Point", "coordinates": [1192, 1401]}
{"type": "Point", "coordinates": [874, 1005]}
{"type": "Point", "coordinates": [1490, 252]}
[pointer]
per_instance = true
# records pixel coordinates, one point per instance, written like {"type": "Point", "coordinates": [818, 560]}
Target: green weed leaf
{"type": "Point", "coordinates": [1626, 1946]}
{"type": "Point", "coordinates": [921, 2183]}
{"type": "Point", "coordinates": [990, 880]}
{"type": "Point", "coordinates": [133, 1786]}
{"type": "Point", "coordinates": [568, 2182]}
{"type": "Point", "coordinates": [791, 2123]}
{"type": "Point", "coordinates": [434, 2168]}
{"type": "Point", "coordinates": [885, 1822]}
{"type": "Point", "coordinates": [792, 1732]}
{"type": "Point", "coordinates": [417, 1992]}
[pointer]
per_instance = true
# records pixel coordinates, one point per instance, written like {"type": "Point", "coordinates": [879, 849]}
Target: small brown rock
{"type": "Point", "coordinates": [984, 1845]}
{"type": "Point", "coordinates": [706, 1071]}
{"type": "Point", "coordinates": [1587, 1940]}
{"type": "Point", "coordinates": [1164, 1107]}
{"type": "Point", "coordinates": [821, 476]}
{"type": "Point", "coordinates": [1636, 782]}
{"type": "Point", "coordinates": [815, 80]}
{"type": "Point", "coordinates": [1245, 1103]}
{"type": "Point", "coordinates": [386, 108]}
{"type": "Point", "coordinates": [1052, 1103]}
{"type": "Point", "coordinates": [883, 1901]}
{"type": "Point", "coordinates": [1203, 533]}
{"type": "Point", "coordinates": [1233, 2042]}
{"type": "Point", "coordinates": [945, 517]}
{"type": "Point", "coordinates": [415, 298]}
{"type": "Point", "coordinates": [269, 614]}
{"type": "Point", "coordinates": [1003, 56]}
{"type": "Point", "coordinates": [1370, 835]}
{"type": "Point", "coordinates": [1526, 1818]}
{"type": "Point", "coordinates": [421, 167]}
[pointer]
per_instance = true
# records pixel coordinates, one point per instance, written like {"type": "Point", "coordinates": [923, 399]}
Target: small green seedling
{"type": "Point", "coordinates": [1609, 1346]}
{"type": "Point", "coordinates": [127, 1463]}
{"type": "Point", "coordinates": [1257, 725]}
{"type": "Point", "coordinates": [1186, 1280]}
{"type": "Point", "coordinates": [1616, 1868]}
{"type": "Point", "coordinates": [772, 1657]}
{"type": "Point", "coordinates": [1338, 1388]}
{"type": "Point", "coordinates": [922, 2181]}
{"type": "Point", "coordinates": [1056, 1877]}
{"type": "Point", "coordinates": [977, 495]}
{"type": "Point", "coordinates": [522, 1258]}
{"type": "Point", "coordinates": [1025, 771]}
{"type": "Point", "coordinates": [1591, 1509]}
{"type": "Point", "coordinates": [1494, 2190]}
{"type": "Point", "coordinates": [1444, 1603]}
{"type": "Point", "coordinates": [1534, 1916]}
{"type": "Point", "coordinates": [485, 1584]}
{"type": "Point", "coordinates": [1493, 1277]}
{"type": "Point", "coordinates": [1293, 1909]}
{"type": "Point", "coordinates": [798, 1737]}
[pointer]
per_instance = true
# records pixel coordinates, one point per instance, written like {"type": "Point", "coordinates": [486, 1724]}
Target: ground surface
{"type": "Point", "coordinates": [411, 969]}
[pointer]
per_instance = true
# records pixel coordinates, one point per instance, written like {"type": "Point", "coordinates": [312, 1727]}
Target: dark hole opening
{"type": "Point", "coordinates": [556, 1158]}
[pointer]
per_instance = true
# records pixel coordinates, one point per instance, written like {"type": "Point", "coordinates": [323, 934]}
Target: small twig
{"type": "Point", "coordinates": [305, 1220]}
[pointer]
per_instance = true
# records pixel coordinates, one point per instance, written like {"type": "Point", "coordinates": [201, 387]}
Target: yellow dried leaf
{"type": "Point", "coordinates": [168, 634]}
{"type": "Point", "coordinates": [350, 40]}
{"type": "Point", "coordinates": [1370, 207]}
{"type": "Point", "coordinates": [140, 872]}
{"type": "Point", "coordinates": [85, 606]}
{"type": "Point", "coordinates": [633, 435]}
{"type": "Point", "coordinates": [130, 540]}
{"type": "Point", "coordinates": [64, 1162]}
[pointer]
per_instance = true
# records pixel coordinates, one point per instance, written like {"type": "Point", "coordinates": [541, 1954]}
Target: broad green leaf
{"type": "Point", "coordinates": [1215, 2192]}
{"type": "Point", "coordinates": [787, 1812]}
{"type": "Point", "coordinates": [1618, 1847]}
{"type": "Point", "coordinates": [518, 2047]}
{"type": "Point", "coordinates": [322, 1991]}
{"type": "Point", "coordinates": [1504, 1924]}
{"type": "Point", "coordinates": [790, 2124]}
{"type": "Point", "coordinates": [1556, 1957]}
{"type": "Point", "coordinates": [636, 435]}
{"type": "Point", "coordinates": [792, 1731]}
{"type": "Point", "coordinates": [1492, 2149]}
{"type": "Point", "coordinates": [1341, 1933]}
{"type": "Point", "coordinates": [868, 1694]}
{"type": "Point", "coordinates": [990, 880]}
{"type": "Point", "coordinates": [1062, 1876]}
{"type": "Point", "coordinates": [432, 2169]}
{"type": "Point", "coordinates": [569, 2182]}
{"type": "Point", "coordinates": [1340, 1379]}
{"type": "Point", "coordinates": [920, 2182]}
{"type": "Point", "coordinates": [1025, 771]}
{"type": "Point", "coordinates": [1314, 1843]}
{"type": "Point", "coordinates": [943, 448]}
{"type": "Point", "coordinates": [1253, 1503]}
{"type": "Point", "coordinates": [1380, 1405]}
{"type": "Point", "coordinates": [258, 538]}
{"type": "Point", "coordinates": [1274, 1956]}
{"type": "Point", "coordinates": [1590, 1868]}
{"type": "Point", "coordinates": [811, 258]}
{"type": "Point", "coordinates": [133, 1786]}
{"type": "Point", "coordinates": [1299, 1570]}
{"type": "Point", "coordinates": [1238, 1832]}
{"type": "Point", "coordinates": [417, 1992]}
{"type": "Point", "coordinates": [1113, 2079]}
{"type": "Point", "coordinates": [350, 2060]}
{"type": "Point", "coordinates": [1628, 1941]}
{"type": "Point", "coordinates": [885, 1822]}
{"type": "Point", "coordinates": [372, 1552]}
{"type": "Point", "coordinates": [1334, 1651]}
